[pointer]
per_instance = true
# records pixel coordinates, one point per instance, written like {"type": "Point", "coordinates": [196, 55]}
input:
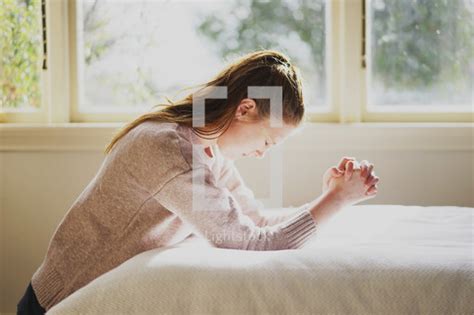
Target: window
{"type": "Point", "coordinates": [21, 55]}
{"type": "Point", "coordinates": [132, 54]}
{"type": "Point", "coordinates": [420, 53]}
{"type": "Point", "coordinates": [361, 60]}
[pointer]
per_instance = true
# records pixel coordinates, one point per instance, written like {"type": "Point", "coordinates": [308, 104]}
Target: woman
{"type": "Point", "coordinates": [164, 179]}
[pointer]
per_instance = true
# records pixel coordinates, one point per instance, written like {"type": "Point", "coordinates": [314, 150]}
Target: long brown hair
{"type": "Point", "coordinates": [259, 68]}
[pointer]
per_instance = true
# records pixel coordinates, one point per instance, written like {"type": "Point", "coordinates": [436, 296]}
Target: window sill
{"type": "Point", "coordinates": [313, 137]}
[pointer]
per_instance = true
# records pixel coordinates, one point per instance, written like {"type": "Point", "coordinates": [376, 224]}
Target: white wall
{"type": "Point", "coordinates": [41, 176]}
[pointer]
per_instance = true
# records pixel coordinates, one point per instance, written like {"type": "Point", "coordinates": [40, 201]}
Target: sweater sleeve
{"type": "Point", "coordinates": [217, 216]}
{"type": "Point", "coordinates": [247, 201]}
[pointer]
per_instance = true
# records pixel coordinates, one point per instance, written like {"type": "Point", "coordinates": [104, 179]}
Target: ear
{"type": "Point", "coordinates": [247, 107]}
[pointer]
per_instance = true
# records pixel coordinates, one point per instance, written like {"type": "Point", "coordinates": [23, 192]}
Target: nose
{"type": "Point", "coordinates": [260, 154]}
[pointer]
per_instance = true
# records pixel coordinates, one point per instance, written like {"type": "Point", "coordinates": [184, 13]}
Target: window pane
{"type": "Point", "coordinates": [133, 53]}
{"type": "Point", "coordinates": [421, 52]}
{"type": "Point", "coordinates": [20, 54]}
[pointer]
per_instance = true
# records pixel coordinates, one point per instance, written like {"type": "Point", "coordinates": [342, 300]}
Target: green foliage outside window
{"type": "Point", "coordinates": [265, 22]}
{"type": "Point", "coordinates": [416, 43]}
{"type": "Point", "coordinates": [419, 43]}
{"type": "Point", "coordinates": [20, 53]}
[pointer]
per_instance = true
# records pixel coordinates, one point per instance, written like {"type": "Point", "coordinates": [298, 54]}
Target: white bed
{"type": "Point", "coordinates": [372, 259]}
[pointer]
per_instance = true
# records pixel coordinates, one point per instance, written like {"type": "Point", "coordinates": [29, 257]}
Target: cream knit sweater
{"type": "Point", "coordinates": [142, 198]}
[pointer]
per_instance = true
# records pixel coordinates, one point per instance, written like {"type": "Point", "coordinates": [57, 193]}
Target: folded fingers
{"type": "Point", "coordinates": [343, 163]}
{"type": "Point", "coordinates": [372, 180]}
{"type": "Point", "coordinates": [351, 166]}
{"type": "Point", "coordinates": [372, 190]}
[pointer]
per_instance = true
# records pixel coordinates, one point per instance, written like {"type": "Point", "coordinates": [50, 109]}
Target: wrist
{"type": "Point", "coordinates": [337, 197]}
{"type": "Point", "coordinates": [327, 205]}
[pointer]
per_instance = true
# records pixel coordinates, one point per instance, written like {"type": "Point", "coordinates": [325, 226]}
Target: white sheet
{"type": "Point", "coordinates": [372, 259]}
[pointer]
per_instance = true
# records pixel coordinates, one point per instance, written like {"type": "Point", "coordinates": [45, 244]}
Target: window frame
{"type": "Point", "coordinates": [399, 113]}
{"type": "Point", "coordinates": [330, 114]}
{"type": "Point", "coordinates": [75, 78]}
{"type": "Point", "coordinates": [344, 72]}
{"type": "Point", "coordinates": [54, 80]}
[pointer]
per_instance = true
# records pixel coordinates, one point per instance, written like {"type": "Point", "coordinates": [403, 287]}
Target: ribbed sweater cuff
{"type": "Point", "coordinates": [48, 286]}
{"type": "Point", "coordinates": [298, 229]}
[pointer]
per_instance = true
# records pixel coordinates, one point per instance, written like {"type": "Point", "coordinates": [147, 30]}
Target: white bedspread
{"type": "Point", "coordinates": [372, 259]}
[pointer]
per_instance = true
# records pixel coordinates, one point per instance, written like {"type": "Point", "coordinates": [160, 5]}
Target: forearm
{"type": "Point", "coordinates": [325, 206]}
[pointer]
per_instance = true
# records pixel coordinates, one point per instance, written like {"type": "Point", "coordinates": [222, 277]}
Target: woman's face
{"type": "Point", "coordinates": [248, 137]}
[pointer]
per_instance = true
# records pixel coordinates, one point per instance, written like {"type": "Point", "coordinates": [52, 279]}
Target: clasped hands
{"type": "Point", "coordinates": [350, 181]}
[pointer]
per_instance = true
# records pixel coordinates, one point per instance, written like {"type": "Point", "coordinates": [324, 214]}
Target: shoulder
{"type": "Point", "coordinates": [150, 154]}
{"type": "Point", "coordinates": [152, 132]}
{"type": "Point", "coordinates": [151, 136]}
{"type": "Point", "coordinates": [164, 140]}
{"type": "Point", "coordinates": [150, 141]}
